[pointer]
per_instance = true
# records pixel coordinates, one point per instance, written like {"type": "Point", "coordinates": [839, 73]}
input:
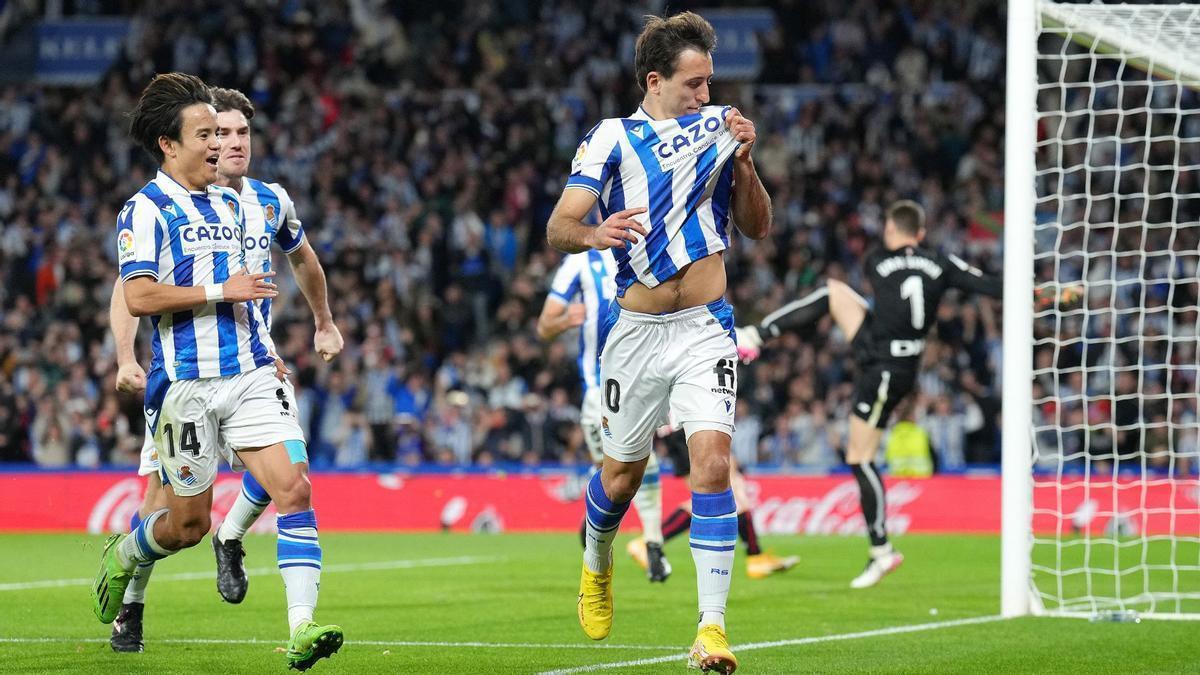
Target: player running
{"type": "Point", "coordinates": [212, 385]}
{"type": "Point", "coordinates": [908, 281]}
{"type": "Point", "coordinates": [270, 216]}
{"type": "Point", "coordinates": [668, 178]}
{"type": "Point", "coordinates": [589, 277]}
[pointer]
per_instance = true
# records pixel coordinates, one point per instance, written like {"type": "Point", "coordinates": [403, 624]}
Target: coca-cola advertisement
{"type": "Point", "coordinates": [103, 502]}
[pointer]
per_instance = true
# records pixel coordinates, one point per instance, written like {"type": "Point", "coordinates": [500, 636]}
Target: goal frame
{"type": "Point", "coordinates": [1018, 596]}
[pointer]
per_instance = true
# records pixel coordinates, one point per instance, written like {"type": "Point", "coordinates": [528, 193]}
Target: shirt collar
{"type": "Point", "coordinates": [641, 114]}
{"type": "Point", "coordinates": [171, 186]}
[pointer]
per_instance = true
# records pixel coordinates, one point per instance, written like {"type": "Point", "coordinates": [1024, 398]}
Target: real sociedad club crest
{"type": "Point", "coordinates": [270, 213]}
{"type": "Point", "coordinates": [232, 206]}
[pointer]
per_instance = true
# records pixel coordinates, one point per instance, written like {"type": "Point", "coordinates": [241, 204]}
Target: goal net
{"type": "Point", "coordinates": [1114, 527]}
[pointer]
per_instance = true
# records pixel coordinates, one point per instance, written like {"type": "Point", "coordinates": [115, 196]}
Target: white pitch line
{"type": "Point", "coordinates": [897, 630]}
{"type": "Point", "coordinates": [266, 571]}
{"type": "Point", "coordinates": [372, 643]}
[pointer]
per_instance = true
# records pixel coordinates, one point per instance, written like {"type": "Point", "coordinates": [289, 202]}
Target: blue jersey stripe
{"type": "Point", "coordinates": [226, 325]}
{"type": "Point", "coordinates": [183, 331]}
{"type": "Point", "coordinates": [693, 233]}
{"type": "Point", "coordinates": [659, 187]}
{"type": "Point", "coordinates": [227, 339]}
{"type": "Point", "coordinates": [720, 201]}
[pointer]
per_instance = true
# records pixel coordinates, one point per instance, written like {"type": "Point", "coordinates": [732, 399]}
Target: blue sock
{"type": "Point", "coordinates": [136, 590]}
{"type": "Point", "coordinates": [602, 522]}
{"type": "Point", "coordinates": [299, 556]}
{"type": "Point", "coordinates": [713, 539]}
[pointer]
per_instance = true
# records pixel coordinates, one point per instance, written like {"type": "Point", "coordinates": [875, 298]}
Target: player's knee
{"type": "Point", "coordinates": [710, 472]}
{"type": "Point", "coordinates": [188, 531]}
{"type": "Point", "coordinates": [292, 495]}
{"type": "Point", "coordinates": [621, 487]}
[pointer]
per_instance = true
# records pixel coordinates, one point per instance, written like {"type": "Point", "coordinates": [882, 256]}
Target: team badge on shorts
{"type": "Point", "coordinates": [269, 212]}
{"type": "Point", "coordinates": [604, 425]}
{"type": "Point", "coordinates": [185, 475]}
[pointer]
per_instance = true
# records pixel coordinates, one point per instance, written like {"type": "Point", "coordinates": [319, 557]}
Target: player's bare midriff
{"type": "Point", "coordinates": [696, 284]}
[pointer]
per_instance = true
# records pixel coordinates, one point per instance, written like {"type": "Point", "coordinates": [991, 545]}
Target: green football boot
{"type": "Point", "coordinates": [109, 590]}
{"type": "Point", "coordinates": [311, 643]}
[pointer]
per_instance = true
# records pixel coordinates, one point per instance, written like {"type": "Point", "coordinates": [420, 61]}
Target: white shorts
{"type": "Point", "coordinates": [589, 419]}
{"type": "Point", "coordinates": [196, 421]}
{"type": "Point", "coordinates": [149, 464]}
{"type": "Point", "coordinates": [683, 363]}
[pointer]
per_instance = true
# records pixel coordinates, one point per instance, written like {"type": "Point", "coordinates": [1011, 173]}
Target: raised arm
{"type": "Point", "coordinates": [751, 203]}
{"type": "Point", "coordinates": [962, 275]}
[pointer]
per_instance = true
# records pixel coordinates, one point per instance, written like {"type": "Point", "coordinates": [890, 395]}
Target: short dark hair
{"type": "Point", "coordinates": [157, 113]}
{"type": "Point", "coordinates": [225, 100]}
{"type": "Point", "coordinates": [662, 40]}
{"type": "Point", "coordinates": [908, 216]}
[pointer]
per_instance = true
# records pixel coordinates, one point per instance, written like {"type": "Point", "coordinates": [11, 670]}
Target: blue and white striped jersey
{"type": "Point", "coordinates": [186, 238]}
{"type": "Point", "coordinates": [679, 170]}
{"type": "Point", "coordinates": [270, 216]}
{"type": "Point", "coordinates": [590, 276]}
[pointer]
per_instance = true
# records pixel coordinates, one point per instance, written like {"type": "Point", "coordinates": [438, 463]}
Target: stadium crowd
{"type": "Point", "coordinates": [425, 144]}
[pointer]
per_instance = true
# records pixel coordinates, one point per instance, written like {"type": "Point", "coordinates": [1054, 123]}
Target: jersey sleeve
{"type": "Point", "coordinates": [290, 233]}
{"type": "Point", "coordinates": [565, 285]}
{"type": "Point", "coordinates": [598, 156]}
{"type": "Point", "coordinates": [138, 239]}
{"type": "Point", "coordinates": [960, 274]}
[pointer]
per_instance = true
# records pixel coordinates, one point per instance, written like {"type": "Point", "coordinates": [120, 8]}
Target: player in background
{"type": "Point", "coordinates": [212, 386]}
{"type": "Point", "coordinates": [588, 276]}
{"type": "Point", "coordinates": [759, 564]}
{"type": "Point", "coordinates": [668, 179]}
{"type": "Point", "coordinates": [908, 282]}
{"type": "Point", "coordinates": [270, 216]}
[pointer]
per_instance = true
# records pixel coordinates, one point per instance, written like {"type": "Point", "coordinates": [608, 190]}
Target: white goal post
{"type": "Point", "coordinates": [1101, 398]}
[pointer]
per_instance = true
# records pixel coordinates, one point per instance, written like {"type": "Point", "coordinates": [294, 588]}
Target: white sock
{"type": "Point", "coordinates": [299, 555]}
{"type": "Point", "coordinates": [136, 590]}
{"type": "Point", "coordinates": [880, 551]}
{"type": "Point", "coordinates": [241, 516]}
{"type": "Point", "coordinates": [713, 540]}
{"type": "Point", "coordinates": [139, 546]}
{"type": "Point", "coordinates": [648, 502]}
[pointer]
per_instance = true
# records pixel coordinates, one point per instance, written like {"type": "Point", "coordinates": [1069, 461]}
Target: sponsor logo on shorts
{"type": "Point", "coordinates": [185, 475]}
{"type": "Point", "coordinates": [864, 408]}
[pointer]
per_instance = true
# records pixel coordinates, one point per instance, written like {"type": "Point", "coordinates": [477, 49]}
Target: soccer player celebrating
{"type": "Point", "coordinates": [270, 215]}
{"type": "Point", "coordinates": [589, 276]}
{"type": "Point", "coordinates": [908, 281]}
{"type": "Point", "coordinates": [668, 178]}
{"type": "Point", "coordinates": [212, 384]}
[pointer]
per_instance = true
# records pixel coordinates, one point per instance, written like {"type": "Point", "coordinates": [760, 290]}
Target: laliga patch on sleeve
{"type": "Point", "coordinates": [577, 163]}
{"type": "Point", "coordinates": [125, 248]}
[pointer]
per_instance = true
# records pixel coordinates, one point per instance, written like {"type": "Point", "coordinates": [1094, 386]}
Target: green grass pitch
{"type": "Point", "coordinates": [432, 603]}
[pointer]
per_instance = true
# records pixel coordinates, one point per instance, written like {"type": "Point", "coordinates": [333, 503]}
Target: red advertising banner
{"type": "Point", "coordinates": [103, 502]}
